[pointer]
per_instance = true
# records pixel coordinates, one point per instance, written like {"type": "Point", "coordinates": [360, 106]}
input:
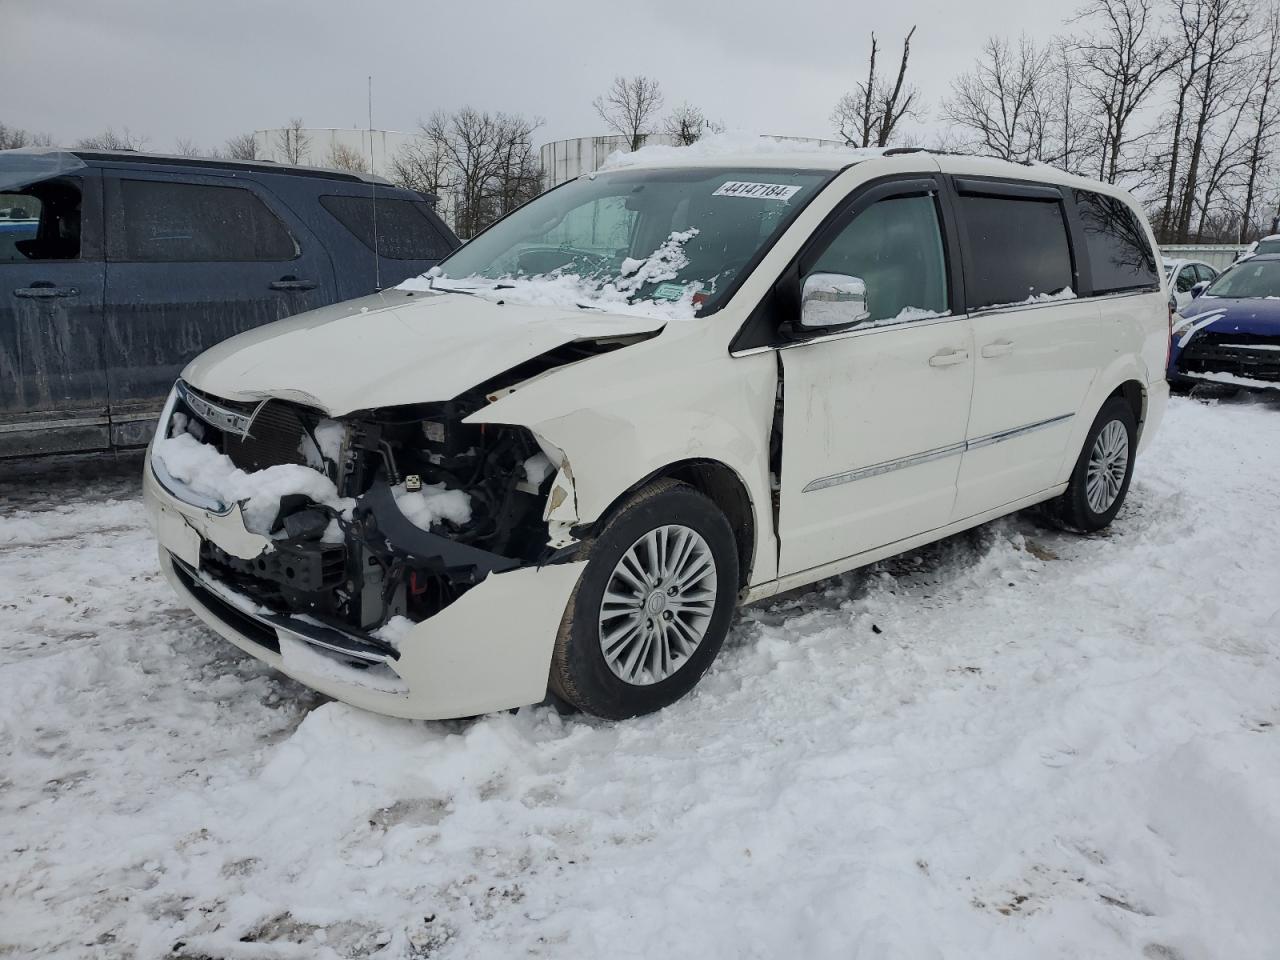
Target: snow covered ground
{"type": "Point", "coordinates": [1017, 743]}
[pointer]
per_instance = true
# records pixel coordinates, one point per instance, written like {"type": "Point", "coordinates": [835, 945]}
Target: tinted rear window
{"type": "Point", "coordinates": [1015, 249]}
{"type": "Point", "coordinates": [1120, 257]}
{"type": "Point", "coordinates": [405, 231]}
{"type": "Point", "coordinates": [170, 222]}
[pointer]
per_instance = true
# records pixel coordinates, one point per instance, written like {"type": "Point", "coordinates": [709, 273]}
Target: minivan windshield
{"type": "Point", "coordinates": [1253, 278]}
{"type": "Point", "coordinates": [660, 242]}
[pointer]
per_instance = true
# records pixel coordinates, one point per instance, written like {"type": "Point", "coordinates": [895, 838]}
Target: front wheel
{"type": "Point", "coordinates": [1103, 470]}
{"type": "Point", "coordinates": [652, 607]}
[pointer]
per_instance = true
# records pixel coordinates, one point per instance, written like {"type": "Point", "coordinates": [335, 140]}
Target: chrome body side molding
{"type": "Point", "coordinates": [926, 456]}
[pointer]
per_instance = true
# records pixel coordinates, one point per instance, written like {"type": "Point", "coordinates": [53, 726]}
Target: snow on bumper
{"type": "Point", "coordinates": [488, 650]}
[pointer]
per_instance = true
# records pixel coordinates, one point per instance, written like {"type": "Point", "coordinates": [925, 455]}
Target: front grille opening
{"type": "Point", "coordinates": [279, 434]}
{"type": "Point", "coordinates": [231, 617]}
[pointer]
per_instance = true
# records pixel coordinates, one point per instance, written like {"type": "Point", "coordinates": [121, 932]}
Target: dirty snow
{"type": "Point", "coordinates": [1017, 743]}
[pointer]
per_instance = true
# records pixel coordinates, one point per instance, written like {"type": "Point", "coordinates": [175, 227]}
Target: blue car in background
{"type": "Point", "coordinates": [1230, 332]}
{"type": "Point", "coordinates": [12, 230]}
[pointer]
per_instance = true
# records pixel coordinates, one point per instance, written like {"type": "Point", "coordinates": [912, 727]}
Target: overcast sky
{"type": "Point", "coordinates": [205, 71]}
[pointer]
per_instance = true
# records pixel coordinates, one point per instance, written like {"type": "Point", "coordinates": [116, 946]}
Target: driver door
{"type": "Point", "coordinates": [874, 416]}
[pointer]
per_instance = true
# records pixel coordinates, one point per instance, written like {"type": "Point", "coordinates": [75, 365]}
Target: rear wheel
{"type": "Point", "coordinates": [652, 607]}
{"type": "Point", "coordinates": [1103, 470]}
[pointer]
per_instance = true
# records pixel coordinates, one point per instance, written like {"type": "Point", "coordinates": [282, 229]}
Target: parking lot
{"type": "Point", "coordinates": [1015, 743]}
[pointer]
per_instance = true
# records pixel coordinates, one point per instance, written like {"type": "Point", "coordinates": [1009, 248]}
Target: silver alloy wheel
{"type": "Point", "coordinates": [1108, 463]}
{"type": "Point", "coordinates": [657, 605]}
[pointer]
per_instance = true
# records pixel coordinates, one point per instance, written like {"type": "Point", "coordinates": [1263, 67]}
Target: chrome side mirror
{"type": "Point", "coordinates": [1199, 288]}
{"type": "Point", "coordinates": [832, 300]}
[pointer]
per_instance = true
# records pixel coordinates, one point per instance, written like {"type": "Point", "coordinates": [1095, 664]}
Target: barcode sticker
{"type": "Point", "coordinates": [756, 191]}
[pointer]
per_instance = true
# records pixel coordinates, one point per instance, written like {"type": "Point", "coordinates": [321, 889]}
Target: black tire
{"type": "Point", "coordinates": [580, 673]}
{"type": "Point", "coordinates": [1072, 509]}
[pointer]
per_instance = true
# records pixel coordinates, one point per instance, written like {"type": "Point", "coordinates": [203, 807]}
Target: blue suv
{"type": "Point", "coordinates": [116, 269]}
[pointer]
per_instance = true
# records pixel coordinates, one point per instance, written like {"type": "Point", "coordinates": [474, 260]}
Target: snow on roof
{"type": "Point", "coordinates": [744, 150]}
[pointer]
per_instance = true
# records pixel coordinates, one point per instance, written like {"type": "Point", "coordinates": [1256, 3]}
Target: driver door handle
{"type": "Point", "coordinates": [43, 291]}
{"type": "Point", "coordinates": [999, 348]}
{"type": "Point", "coordinates": [293, 283]}
{"type": "Point", "coordinates": [949, 357]}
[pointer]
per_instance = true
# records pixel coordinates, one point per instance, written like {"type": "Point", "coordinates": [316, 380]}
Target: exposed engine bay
{"type": "Point", "coordinates": [356, 566]}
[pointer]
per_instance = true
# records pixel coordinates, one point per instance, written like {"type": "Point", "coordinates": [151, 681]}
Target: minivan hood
{"type": "Point", "coordinates": [395, 347]}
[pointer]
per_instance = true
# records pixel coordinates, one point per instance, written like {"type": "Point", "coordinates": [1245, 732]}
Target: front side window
{"type": "Point", "coordinates": [895, 248]}
{"type": "Point", "coordinates": [1253, 278]}
{"type": "Point", "coordinates": [172, 222]}
{"type": "Point", "coordinates": [1016, 250]}
{"type": "Point", "coordinates": [674, 240]}
{"type": "Point", "coordinates": [41, 222]}
{"type": "Point", "coordinates": [1205, 272]}
{"type": "Point", "coordinates": [1120, 256]}
{"type": "Point", "coordinates": [1186, 279]}
{"type": "Point", "coordinates": [405, 232]}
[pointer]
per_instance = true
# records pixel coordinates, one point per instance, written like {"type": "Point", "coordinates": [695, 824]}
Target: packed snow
{"type": "Point", "coordinates": [1016, 743]}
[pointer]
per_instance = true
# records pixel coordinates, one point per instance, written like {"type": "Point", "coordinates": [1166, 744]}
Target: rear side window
{"type": "Point", "coordinates": [1016, 250]}
{"type": "Point", "coordinates": [405, 232]}
{"type": "Point", "coordinates": [168, 222]}
{"type": "Point", "coordinates": [1120, 257]}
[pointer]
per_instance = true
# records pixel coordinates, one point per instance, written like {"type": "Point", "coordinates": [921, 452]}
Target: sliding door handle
{"type": "Point", "coordinates": [947, 358]}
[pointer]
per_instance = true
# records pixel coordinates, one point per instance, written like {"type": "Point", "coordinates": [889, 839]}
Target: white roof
{"type": "Point", "coordinates": [743, 151]}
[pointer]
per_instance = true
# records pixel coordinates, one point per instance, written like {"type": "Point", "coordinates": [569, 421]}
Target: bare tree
{"type": "Point", "coordinates": [630, 108]}
{"type": "Point", "coordinates": [871, 114]}
{"type": "Point", "coordinates": [110, 140]}
{"type": "Point", "coordinates": [243, 146]}
{"type": "Point", "coordinates": [1119, 65]}
{"type": "Point", "coordinates": [422, 165]}
{"type": "Point", "coordinates": [1264, 118]}
{"type": "Point", "coordinates": [294, 142]}
{"type": "Point", "coordinates": [489, 161]}
{"type": "Point", "coordinates": [997, 106]}
{"type": "Point", "coordinates": [1226, 35]}
{"type": "Point", "coordinates": [343, 157]}
{"type": "Point", "coordinates": [688, 124]}
{"type": "Point", "coordinates": [185, 147]}
{"type": "Point", "coordinates": [13, 137]}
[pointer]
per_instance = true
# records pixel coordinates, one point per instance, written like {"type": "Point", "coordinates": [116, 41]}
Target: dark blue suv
{"type": "Point", "coordinates": [118, 268]}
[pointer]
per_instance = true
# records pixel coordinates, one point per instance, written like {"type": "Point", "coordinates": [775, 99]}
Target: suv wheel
{"type": "Point", "coordinates": [1103, 470]}
{"type": "Point", "coordinates": [652, 607]}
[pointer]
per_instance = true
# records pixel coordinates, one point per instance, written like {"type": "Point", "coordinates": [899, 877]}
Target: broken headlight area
{"type": "Point", "coordinates": [405, 509]}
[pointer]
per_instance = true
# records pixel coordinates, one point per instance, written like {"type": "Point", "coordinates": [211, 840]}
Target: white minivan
{"type": "Point", "coordinates": [692, 380]}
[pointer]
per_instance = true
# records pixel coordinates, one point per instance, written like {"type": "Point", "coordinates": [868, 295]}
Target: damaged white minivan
{"type": "Point", "coordinates": [687, 382]}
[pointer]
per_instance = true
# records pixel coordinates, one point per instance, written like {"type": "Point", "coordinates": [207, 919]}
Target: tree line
{"type": "Point", "coordinates": [1175, 100]}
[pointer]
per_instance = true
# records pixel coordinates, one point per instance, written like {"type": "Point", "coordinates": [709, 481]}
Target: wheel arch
{"type": "Point", "coordinates": [721, 484]}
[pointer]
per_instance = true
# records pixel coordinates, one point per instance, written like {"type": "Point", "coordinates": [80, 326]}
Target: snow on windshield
{"type": "Point", "coordinates": [570, 290]}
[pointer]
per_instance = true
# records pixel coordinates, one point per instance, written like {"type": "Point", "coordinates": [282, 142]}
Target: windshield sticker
{"type": "Point", "coordinates": [668, 291]}
{"type": "Point", "coordinates": [756, 191]}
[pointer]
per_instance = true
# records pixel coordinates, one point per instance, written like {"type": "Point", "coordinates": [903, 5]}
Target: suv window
{"type": "Point", "coordinates": [167, 222]}
{"type": "Point", "coordinates": [1120, 257]}
{"type": "Point", "coordinates": [405, 232]}
{"type": "Point", "coordinates": [895, 248]}
{"type": "Point", "coordinates": [1016, 250]}
{"type": "Point", "coordinates": [40, 223]}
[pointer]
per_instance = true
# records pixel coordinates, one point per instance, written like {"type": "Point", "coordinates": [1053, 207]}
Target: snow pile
{"type": "Point", "coordinates": [434, 502]}
{"type": "Point", "coordinates": [571, 291]}
{"type": "Point", "coordinates": [1016, 743]}
{"type": "Point", "coordinates": [733, 146]}
{"type": "Point", "coordinates": [206, 471]}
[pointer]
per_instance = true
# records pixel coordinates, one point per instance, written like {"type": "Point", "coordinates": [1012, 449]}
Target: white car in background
{"type": "Point", "coordinates": [690, 381]}
{"type": "Point", "coordinates": [1182, 277]}
{"type": "Point", "coordinates": [1269, 244]}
